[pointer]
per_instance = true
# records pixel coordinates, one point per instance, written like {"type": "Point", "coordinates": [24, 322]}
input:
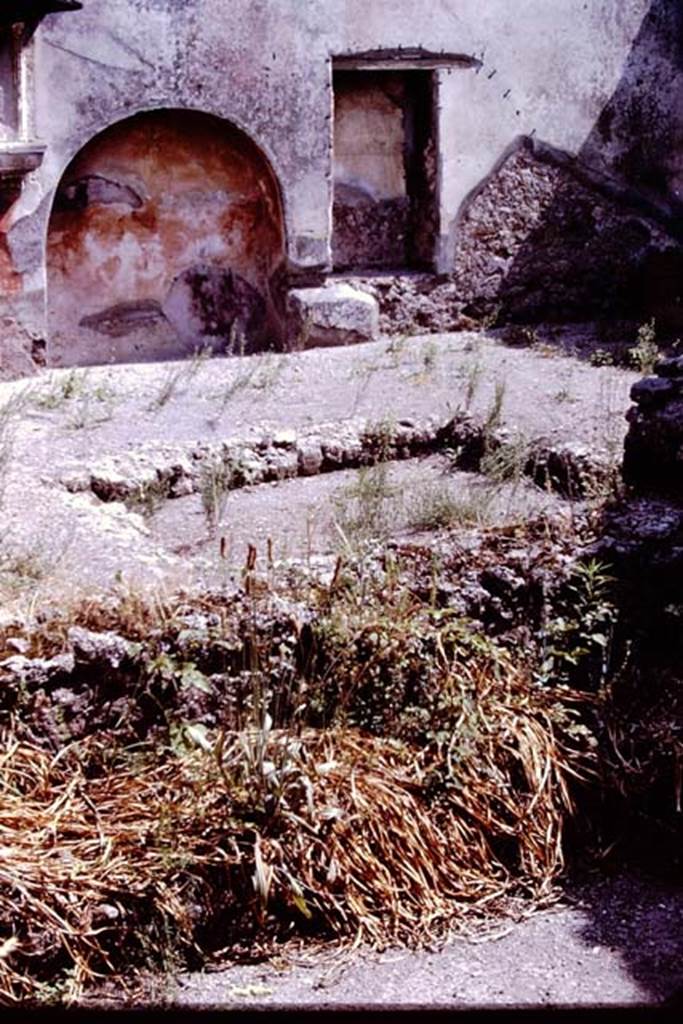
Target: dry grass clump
{"type": "Point", "coordinates": [112, 862]}
{"type": "Point", "coordinates": [88, 865]}
{"type": "Point", "coordinates": [391, 768]}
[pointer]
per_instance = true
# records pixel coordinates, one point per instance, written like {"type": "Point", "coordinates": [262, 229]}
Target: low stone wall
{"type": "Point", "coordinates": [544, 238]}
{"type": "Point", "coordinates": [163, 471]}
{"type": "Point", "coordinates": [653, 453]}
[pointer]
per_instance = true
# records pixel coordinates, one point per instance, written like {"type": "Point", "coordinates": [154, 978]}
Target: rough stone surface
{"type": "Point", "coordinates": [36, 672]}
{"type": "Point", "coordinates": [608, 104]}
{"type": "Point", "coordinates": [174, 472]}
{"type": "Point", "coordinates": [653, 449]}
{"type": "Point", "coordinates": [414, 302]}
{"type": "Point", "coordinates": [538, 242]}
{"type": "Point", "coordinates": [371, 233]}
{"type": "Point", "coordinates": [541, 240]}
{"type": "Point", "coordinates": [652, 392]}
{"type": "Point", "coordinates": [90, 648]}
{"type": "Point", "coordinates": [670, 367]}
{"type": "Point", "coordinates": [333, 315]}
{"type": "Point", "coordinates": [16, 351]}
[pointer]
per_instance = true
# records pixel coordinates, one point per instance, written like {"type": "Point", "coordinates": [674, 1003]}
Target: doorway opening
{"type": "Point", "coordinates": [385, 170]}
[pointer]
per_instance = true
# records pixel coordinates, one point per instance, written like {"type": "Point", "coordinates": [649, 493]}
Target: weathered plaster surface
{"type": "Point", "coordinates": [597, 79]}
{"type": "Point", "coordinates": [368, 135]}
{"type": "Point", "coordinates": [159, 209]}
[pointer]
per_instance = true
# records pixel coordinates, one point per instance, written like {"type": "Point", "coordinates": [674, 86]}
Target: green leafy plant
{"type": "Point", "coordinates": [86, 415]}
{"type": "Point", "coordinates": [576, 641]}
{"type": "Point", "coordinates": [21, 571]}
{"type": "Point", "coordinates": [490, 320]}
{"type": "Point", "coordinates": [601, 357]}
{"type": "Point", "coordinates": [521, 335]}
{"type": "Point", "coordinates": [90, 404]}
{"type": "Point", "coordinates": [644, 355]}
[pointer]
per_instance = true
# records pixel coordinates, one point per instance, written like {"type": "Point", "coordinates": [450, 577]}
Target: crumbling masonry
{"type": "Point", "coordinates": [272, 173]}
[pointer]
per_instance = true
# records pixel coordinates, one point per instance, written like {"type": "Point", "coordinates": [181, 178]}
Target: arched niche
{"type": "Point", "coordinates": [166, 236]}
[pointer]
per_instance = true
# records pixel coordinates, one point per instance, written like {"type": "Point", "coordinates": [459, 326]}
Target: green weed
{"type": "Point", "coordinates": [495, 413]}
{"type": "Point", "coordinates": [506, 463]}
{"type": "Point", "coordinates": [437, 507]}
{"type": "Point", "coordinates": [576, 641]}
{"type": "Point", "coordinates": [473, 377]}
{"type": "Point", "coordinates": [214, 484]}
{"type": "Point", "coordinates": [564, 395]}
{"type": "Point", "coordinates": [366, 509]}
{"type": "Point", "coordinates": [218, 477]}
{"type": "Point", "coordinates": [178, 376]}
{"type": "Point", "coordinates": [63, 388]}
{"type": "Point", "coordinates": [10, 414]}
{"type": "Point", "coordinates": [645, 354]}
{"type": "Point", "coordinates": [395, 350]}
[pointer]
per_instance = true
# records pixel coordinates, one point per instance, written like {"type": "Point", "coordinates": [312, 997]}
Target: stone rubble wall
{"type": "Point", "coordinates": [169, 471]}
{"type": "Point", "coordinates": [540, 240]}
{"type": "Point", "coordinates": [653, 452]}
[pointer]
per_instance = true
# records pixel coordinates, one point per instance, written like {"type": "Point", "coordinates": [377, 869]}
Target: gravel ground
{"type": "Point", "coordinates": [618, 941]}
{"type": "Point", "coordinates": [298, 516]}
{"type": "Point", "coordinates": [614, 941]}
{"type": "Point", "coordinates": [63, 420]}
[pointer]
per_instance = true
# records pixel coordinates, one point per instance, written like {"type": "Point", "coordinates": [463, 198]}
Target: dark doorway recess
{"type": "Point", "coordinates": [385, 170]}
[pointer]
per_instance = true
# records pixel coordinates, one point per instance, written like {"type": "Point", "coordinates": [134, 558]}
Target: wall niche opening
{"type": "Point", "coordinates": [166, 236]}
{"type": "Point", "coordinates": [385, 170]}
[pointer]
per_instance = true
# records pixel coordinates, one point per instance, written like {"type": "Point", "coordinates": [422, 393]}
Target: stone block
{"type": "Point", "coordinates": [334, 314]}
{"type": "Point", "coordinates": [652, 391]}
{"type": "Point", "coordinates": [310, 458]}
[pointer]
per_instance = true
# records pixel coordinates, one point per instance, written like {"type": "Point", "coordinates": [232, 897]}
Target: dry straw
{"type": "Point", "coordinates": [107, 863]}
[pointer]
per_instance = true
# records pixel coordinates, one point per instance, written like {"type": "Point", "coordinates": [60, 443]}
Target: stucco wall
{"type": "Point", "coordinates": [166, 233]}
{"type": "Point", "coordinates": [548, 70]}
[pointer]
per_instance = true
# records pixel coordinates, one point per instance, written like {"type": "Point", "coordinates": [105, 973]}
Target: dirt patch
{"type": "Point", "coordinates": [71, 421]}
{"type": "Point", "coordinates": [616, 942]}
